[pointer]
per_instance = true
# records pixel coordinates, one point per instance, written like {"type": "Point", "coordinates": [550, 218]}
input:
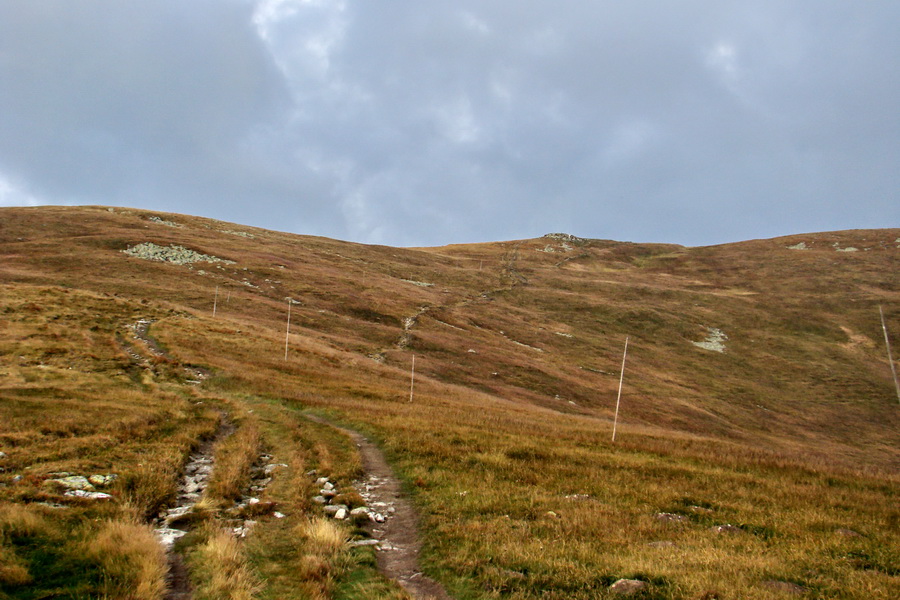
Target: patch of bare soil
{"type": "Point", "coordinates": [399, 542]}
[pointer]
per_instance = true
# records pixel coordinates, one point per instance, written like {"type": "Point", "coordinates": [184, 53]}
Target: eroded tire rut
{"type": "Point", "coordinates": [399, 543]}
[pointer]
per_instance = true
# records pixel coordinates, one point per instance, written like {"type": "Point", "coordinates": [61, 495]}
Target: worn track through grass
{"type": "Point", "coordinates": [398, 557]}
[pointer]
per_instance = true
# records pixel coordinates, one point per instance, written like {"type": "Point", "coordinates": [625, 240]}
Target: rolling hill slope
{"type": "Point", "coordinates": [757, 394]}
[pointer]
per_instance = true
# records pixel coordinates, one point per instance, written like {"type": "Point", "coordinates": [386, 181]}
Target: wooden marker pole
{"type": "Point", "coordinates": [619, 396]}
{"type": "Point", "coordinates": [412, 378]}
{"type": "Point", "coordinates": [216, 301]}
{"type": "Point", "coordinates": [887, 344]}
{"type": "Point", "coordinates": [287, 332]}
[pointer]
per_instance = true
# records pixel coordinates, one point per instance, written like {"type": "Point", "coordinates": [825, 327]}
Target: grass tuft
{"type": "Point", "coordinates": [131, 559]}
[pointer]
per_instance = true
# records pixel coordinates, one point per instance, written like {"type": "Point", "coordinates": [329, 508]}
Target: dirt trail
{"type": "Point", "coordinates": [398, 550]}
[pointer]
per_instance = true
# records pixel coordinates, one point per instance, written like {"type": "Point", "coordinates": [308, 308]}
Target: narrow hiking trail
{"type": "Point", "coordinates": [399, 544]}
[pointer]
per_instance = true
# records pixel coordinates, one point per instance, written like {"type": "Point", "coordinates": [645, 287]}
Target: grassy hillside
{"type": "Point", "coordinates": [756, 453]}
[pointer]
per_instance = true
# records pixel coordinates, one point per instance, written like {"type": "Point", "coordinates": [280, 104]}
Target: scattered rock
{"type": "Point", "coordinates": [278, 515]}
{"type": "Point", "coordinates": [332, 509]}
{"type": "Point", "coordinates": [240, 233]}
{"type": "Point", "coordinates": [74, 482]}
{"type": "Point", "coordinates": [671, 518]}
{"type": "Point", "coordinates": [3, 455]}
{"type": "Point", "coordinates": [626, 587]}
{"type": "Point", "coordinates": [784, 586]}
{"type": "Point", "coordinates": [163, 222]}
{"type": "Point", "coordinates": [565, 237]}
{"type": "Point", "coordinates": [88, 495]}
{"type": "Point", "coordinates": [341, 514]}
{"type": "Point", "coordinates": [848, 532]}
{"type": "Point", "coordinates": [178, 255]}
{"type": "Point", "coordinates": [418, 283]}
{"type": "Point", "coordinates": [320, 500]}
{"type": "Point", "coordinates": [369, 542]}
{"type": "Point", "coordinates": [800, 246]}
{"type": "Point", "coordinates": [271, 468]}
{"type": "Point", "coordinates": [715, 340]}
{"type": "Point", "coordinates": [168, 537]}
{"type": "Point", "coordinates": [727, 529]}
{"type": "Point", "coordinates": [102, 480]}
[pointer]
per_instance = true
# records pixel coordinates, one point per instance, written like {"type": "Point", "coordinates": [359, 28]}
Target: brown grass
{"type": "Point", "coordinates": [790, 435]}
{"type": "Point", "coordinates": [132, 561]}
{"type": "Point", "coordinates": [234, 457]}
{"type": "Point", "coordinates": [220, 570]}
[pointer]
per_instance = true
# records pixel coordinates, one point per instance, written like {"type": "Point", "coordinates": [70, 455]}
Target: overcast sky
{"type": "Point", "coordinates": [418, 122]}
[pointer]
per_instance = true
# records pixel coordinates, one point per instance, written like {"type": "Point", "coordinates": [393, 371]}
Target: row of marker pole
{"type": "Point", "coordinates": [412, 376]}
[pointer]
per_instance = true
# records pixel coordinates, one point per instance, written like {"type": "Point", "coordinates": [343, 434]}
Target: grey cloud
{"type": "Point", "coordinates": [425, 122]}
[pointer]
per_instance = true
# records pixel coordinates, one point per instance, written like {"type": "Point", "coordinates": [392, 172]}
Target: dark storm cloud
{"type": "Point", "coordinates": [409, 122]}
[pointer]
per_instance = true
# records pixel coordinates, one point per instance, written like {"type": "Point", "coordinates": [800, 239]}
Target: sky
{"type": "Point", "coordinates": [423, 123]}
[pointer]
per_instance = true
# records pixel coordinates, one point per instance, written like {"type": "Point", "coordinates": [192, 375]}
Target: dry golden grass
{"type": "Point", "coordinates": [790, 434]}
{"type": "Point", "coordinates": [132, 562]}
{"type": "Point", "coordinates": [220, 570]}
{"type": "Point", "coordinates": [325, 536]}
{"type": "Point", "coordinates": [234, 457]}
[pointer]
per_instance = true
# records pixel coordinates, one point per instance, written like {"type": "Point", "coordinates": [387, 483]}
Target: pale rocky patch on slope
{"type": "Point", "coordinates": [178, 255]}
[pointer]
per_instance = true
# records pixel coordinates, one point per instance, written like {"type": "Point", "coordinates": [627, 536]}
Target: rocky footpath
{"type": "Point", "coordinates": [388, 516]}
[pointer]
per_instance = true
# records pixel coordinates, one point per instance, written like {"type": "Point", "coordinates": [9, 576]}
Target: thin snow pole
{"type": "Point", "coordinates": [412, 378]}
{"type": "Point", "coordinates": [619, 396]}
{"type": "Point", "coordinates": [287, 332]}
{"type": "Point", "coordinates": [887, 344]}
{"type": "Point", "coordinates": [216, 301]}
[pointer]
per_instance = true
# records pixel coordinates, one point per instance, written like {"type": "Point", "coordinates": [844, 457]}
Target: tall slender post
{"type": "Point", "coordinates": [287, 332]}
{"type": "Point", "coordinates": [412, 378]}
{"type": "Point", "coordinates": [216, 301]}
{"type": "Point", "coordinates": [619, 396]}
{"type": "Point", "coordinates": [887, 344]}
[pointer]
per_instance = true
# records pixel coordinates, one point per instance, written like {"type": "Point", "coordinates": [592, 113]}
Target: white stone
{"type": "Point", "coordinates": [334, 508]}
{"type": "Point", "coordinates": [88, 495]}
{"type": "Point", "coordinates": [168, 536]}
{"type": "Point", "coordinates": [365, 542]}
{"type": "Point", "coordinates": [74, 482]}
{"type": "Point", "coordinates": [627, 587]}
{"type": "Point", "coordinates": [341, 514]}
{"type": "Point", "coordinates": [102, 480]}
